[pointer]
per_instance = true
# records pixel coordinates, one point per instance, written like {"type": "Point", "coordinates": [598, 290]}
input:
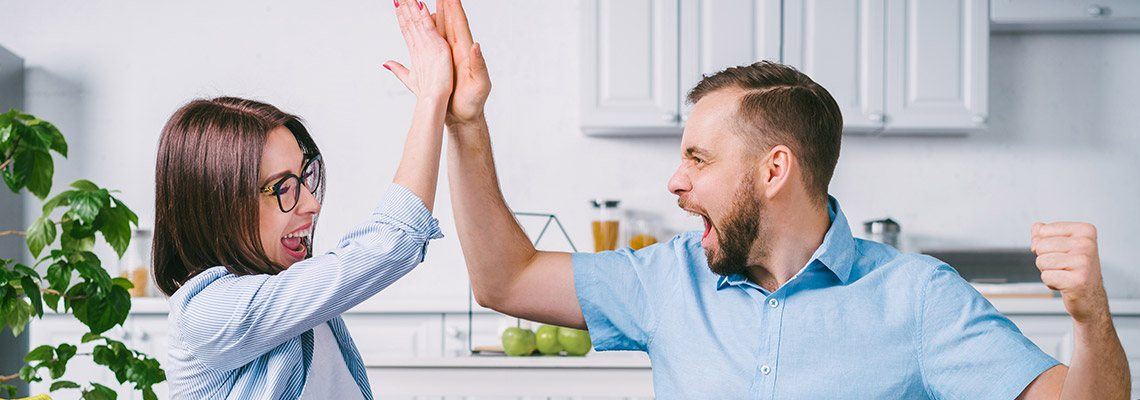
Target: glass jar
{"type": "Point", "coordinates": [605, 225]}
{"type": "Point", "coordinates": [135, 264]}
{"type": "Point", "coordinates": [643, 231]}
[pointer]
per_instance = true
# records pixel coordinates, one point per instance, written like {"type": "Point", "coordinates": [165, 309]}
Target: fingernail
{"type": "Point", "coordinates": [396, 3]}
{"type": "Point", "coordinates": [387, 67]}
{"type": "Point", "coordinates": [421, 5]}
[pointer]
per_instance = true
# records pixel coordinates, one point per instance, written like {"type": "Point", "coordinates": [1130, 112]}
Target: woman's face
{"type": "Point", "coordinates": [284, 235]}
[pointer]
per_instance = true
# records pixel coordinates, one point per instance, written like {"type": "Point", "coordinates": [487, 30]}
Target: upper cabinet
{"type": "Point", "coordinates": [640, 57]}
{"type": "Point", "coordinates": [894, 66]}
{"type": "Point", "coordinates": [840, 45]}
{"type": "Point", "coordinates": [629, 70]}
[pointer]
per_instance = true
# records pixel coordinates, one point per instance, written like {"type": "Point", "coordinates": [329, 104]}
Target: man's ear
{"type": "Point", "coordinates": [776, 171]}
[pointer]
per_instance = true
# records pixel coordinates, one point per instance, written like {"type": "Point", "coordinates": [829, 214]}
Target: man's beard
{"type": "Point", "coordinates": [740, 232]}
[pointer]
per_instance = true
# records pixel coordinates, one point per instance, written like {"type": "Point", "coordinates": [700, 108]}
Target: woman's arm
{"type": "Point", "coordinates": [431, 80]}
{"type": "Point", "coordinates": [225, 321]}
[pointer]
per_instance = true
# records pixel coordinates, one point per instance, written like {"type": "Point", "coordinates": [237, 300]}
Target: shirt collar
{"type": "Point", "coordinates": [836, 253]}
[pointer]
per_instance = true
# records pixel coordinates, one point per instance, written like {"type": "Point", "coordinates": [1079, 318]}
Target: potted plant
{"type": "Point", "coordinates": [72, 279]}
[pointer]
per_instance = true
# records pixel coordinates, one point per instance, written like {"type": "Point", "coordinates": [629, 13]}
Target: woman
{"type": "Point", "coordinates": [254, 314]}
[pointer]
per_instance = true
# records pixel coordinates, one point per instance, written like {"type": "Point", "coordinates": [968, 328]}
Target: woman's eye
{"type": "Point", "coordinates": [283, 190]}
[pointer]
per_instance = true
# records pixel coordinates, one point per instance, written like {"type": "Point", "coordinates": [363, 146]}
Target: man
{"type": "Point", "coordinates": [775, 298]}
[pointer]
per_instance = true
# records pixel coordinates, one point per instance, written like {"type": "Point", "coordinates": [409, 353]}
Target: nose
{"type": "Point", "coordinates": [308, 203]}
{"type": "Point", "coordinates": [679, 183]}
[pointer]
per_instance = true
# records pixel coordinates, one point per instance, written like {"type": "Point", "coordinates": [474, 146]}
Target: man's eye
{"type": "Point", "coordinates": [698, 160]}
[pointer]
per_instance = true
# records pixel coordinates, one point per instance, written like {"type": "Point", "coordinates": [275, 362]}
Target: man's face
{"type": "Point", "coordinates": [716, 180]}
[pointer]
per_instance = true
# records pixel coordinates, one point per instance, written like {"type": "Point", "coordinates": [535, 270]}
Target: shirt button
{"type": "Point", "coordinates": [765, 369]}
{"type": "Point", "coordinates": [773, 303]}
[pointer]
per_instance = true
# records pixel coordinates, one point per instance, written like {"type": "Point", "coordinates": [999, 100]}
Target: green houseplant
{"type": "Point", "coordinates": [73, 280]}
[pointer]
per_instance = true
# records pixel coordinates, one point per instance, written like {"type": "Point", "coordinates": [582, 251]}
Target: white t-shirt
{"type": "Point", "coordinates": [329, 377]}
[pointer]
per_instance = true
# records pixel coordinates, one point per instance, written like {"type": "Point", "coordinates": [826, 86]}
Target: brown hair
{"type": "Point", "coordinates": [783, 106]}
{"type": "Point", "coordinates": [207, 188]}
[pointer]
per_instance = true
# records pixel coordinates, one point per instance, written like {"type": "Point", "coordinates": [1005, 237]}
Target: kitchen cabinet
{"type": "Point", "coordinates": [629, 66]}
{"type": "Point", "coordinates": [1064, 15]}
{"type": "Point", "coordinates": [640, 58]}
{"type": "Point", "coordinates": [895, 66]}
{"type": "Point", "coordinates": [840, 44]}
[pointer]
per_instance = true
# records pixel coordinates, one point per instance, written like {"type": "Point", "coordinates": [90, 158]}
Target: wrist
{"type": "Point", "coordinates": [462, 124]}
{"type": "Point", "coordinates": [432, 102]}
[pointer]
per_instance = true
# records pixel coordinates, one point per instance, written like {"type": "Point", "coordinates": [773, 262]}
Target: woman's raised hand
{"type": "Point", "coordinates": [431, 76]}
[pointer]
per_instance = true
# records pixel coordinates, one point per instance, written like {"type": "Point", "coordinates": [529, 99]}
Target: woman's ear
{"type": "Point", "coordinates": [775, 171]}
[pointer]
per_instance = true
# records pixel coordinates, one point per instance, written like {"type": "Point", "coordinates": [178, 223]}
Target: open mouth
{"type": "Point", "coordinates": [297, 242]}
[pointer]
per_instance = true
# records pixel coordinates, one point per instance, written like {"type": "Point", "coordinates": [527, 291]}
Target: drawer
{"type": "Point", "coordinates": [381, 336]}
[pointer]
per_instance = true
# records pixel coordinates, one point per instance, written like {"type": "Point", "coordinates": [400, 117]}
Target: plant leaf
{"type": "Point", "coordinates": [86, 205]}
{"type": "Point", "coordinates": [61, 199]}
{"type": "Point", "coordinates": [41, 353]}
{"type": "Point", "coordinates": [34, 168]}
{"type": "Point", "coordinates": [57, 385]}
{"type": "Point", "coordinates": [99, 392]}
{"type": "Point", "coordinates": [89, 337]}
{"type": "Point", "coordinates": [32, 290]}
{"type": "Point", "coordinates": [40, 234]}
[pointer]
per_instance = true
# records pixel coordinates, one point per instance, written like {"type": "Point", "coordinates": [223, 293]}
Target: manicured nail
{"type": "Point", "coordinates": [387, 67]}
{"type": "Point", "coordinates": [396, 2]}
{"type": "Point", "coordinates": [421, 5]}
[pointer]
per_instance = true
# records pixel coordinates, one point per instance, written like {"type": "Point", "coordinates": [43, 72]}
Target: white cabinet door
{"type": "Point", "coordinates": [839, 44]}
{"type": "Point", "coordinates": [937, 62]}
{"type": "Point", "coordinates": [387, 336]}
{"type": "Point", "coordinates": [630, 79]}
{"type": "Point", "coordinates": [717, 34]}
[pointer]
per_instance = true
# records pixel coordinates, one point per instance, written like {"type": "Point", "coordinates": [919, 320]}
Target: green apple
{"type": "Point", "coordinates": [548, 340]}
{"type": "Point", "coordinates": [576, 342]}
{"type": "Point", "coordinates": [518, 342]}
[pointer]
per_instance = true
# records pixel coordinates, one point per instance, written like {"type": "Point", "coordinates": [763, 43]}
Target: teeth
{"type": "Point", "coordinates": [298, 235]}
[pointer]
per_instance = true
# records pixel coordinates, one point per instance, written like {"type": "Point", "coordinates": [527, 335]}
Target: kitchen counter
{"type": "Point", "coordinates": [611, 360]}
{"type": "Point", "coordinates": [1008, 306]}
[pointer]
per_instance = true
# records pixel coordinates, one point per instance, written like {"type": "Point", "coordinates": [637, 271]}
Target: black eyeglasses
{"type": "Point", "coordinates": [288, 188]}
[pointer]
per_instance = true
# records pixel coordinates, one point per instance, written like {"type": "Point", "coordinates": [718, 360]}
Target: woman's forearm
{"type": "Point", "coordinates": [419, 165]}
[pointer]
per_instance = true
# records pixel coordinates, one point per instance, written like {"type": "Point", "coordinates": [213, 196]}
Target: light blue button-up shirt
{"type": "Point", "coordinates": [860, 320]}
{"type": "Point", "coordinates": [251, 336]}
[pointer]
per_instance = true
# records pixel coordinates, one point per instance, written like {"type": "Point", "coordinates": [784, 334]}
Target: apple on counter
{"type": "Point", "coordinates": [547, 338]}
{"type": "Point", "coordinates": [518, 342]}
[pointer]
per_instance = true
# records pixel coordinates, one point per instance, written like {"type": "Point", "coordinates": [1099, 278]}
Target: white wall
{"type": "Point", "coordinates": [1063, 142]}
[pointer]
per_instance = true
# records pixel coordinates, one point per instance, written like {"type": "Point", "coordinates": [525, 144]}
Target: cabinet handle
{"type": "Point", "coordinates": [1098, 11]}
{"type": "Point", "coordinates": [979, 119]}
{"type": "Point", "coordinates": [671, 117]}
{"type": "Point", "coordinates": [876, 117]}
{"type": "Point", "coordinates": [455, 333]}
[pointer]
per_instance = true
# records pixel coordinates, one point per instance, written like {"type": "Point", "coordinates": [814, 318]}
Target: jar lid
{"type": "Point", "coordinates": [607, 203]}
{"type": "Point", "coordinates": [881, 226]}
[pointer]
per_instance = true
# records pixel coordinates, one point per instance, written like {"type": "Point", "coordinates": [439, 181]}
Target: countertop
{"type": "Point", "coordinates": [1053, 306]}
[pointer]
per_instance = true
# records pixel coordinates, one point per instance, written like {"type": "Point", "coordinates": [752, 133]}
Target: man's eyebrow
{"type": "Point", "coordinates": [695, 151]}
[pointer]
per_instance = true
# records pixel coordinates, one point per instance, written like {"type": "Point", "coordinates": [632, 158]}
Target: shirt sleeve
{"type": "Point", "coordinates": [232, 320]}
{"type": "Point", "coordinates": [615, 290]}
{"type": "Point", "coordinates": [968, 349]}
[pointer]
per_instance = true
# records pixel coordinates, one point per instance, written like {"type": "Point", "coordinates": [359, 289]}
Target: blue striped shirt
{"type": "Point", "coordinates": [250, 337]}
